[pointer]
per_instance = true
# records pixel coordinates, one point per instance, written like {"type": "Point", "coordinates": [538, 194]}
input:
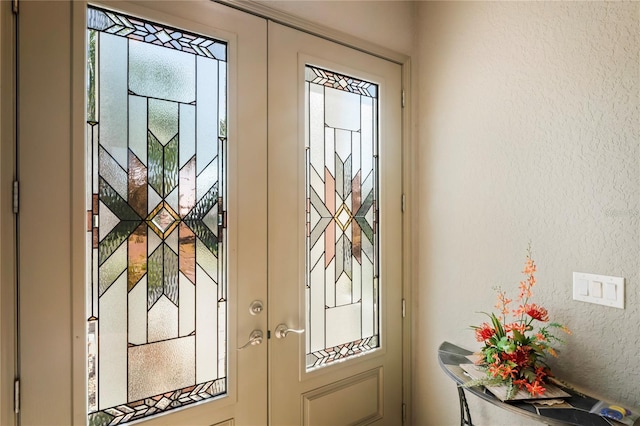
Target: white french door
{"type": "Point", "coordinates": [153, 131]}
{"type": "Point", "coordinates": [330, 362]}
{"type": "Point", "coordinates": [335, 183]}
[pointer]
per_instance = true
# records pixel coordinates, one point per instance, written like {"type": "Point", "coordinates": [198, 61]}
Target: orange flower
{"type": "Point", "coordinates": [540, 337]}
{"type": "Point", "coordinates": [541, 373]}
{"type": "Point", "coordinates": [529, 267]}
{"type": "Point", "coordinates": [507, 371]}
{"type": "Point", "coordinates": [518, 326]}
{"type": "Point", "coordinates": [535, 388]}
{"type": "Point", "coordinates": [537, 312]}
{"type": "Point", "coordinates": [525, 291]}
{"type": "Point", "coordinates": [484, 332]}
{"type": "Point", "coordinates": [502, 302]}
{"type": "Point", "coordinates": [494, 369]}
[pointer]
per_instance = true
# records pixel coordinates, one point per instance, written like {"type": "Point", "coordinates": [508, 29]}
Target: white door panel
{"type": "Point", "coordinates": [53, 222]}
{"type": "Point", "coordinates": [350, 390]}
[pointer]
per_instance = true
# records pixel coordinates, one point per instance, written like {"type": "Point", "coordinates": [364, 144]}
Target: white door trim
{"type": "Point", "coordinates": [8, 295]}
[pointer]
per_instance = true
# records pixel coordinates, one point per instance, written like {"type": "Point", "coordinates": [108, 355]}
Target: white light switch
{"type": "Point", "coordinates": [595, 289]}
{"type": "Point", "coordinates": [598, 289]}
{"type": "Point", "coordinates": [610, 291]}
{"type": "Point", "coordinates": [583, 287]}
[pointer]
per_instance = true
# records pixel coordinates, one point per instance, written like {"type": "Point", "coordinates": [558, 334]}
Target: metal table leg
{"type": "Point", "coordinates": [465, 416]}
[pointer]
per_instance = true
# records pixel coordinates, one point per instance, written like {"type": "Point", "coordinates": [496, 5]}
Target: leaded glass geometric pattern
{"type": "Point", "coordinates": [342, 294]}
{"type": "Point", "coordinates": [157, 288]}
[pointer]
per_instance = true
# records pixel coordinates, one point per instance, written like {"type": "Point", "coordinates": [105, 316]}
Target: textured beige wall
{"type": "Point", "coordinates": [529, 129]}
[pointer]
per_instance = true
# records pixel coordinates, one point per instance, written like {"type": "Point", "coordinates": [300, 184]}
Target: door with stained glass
{"type": "Point", "coordinates": [142, 260]}
{"type": "Point", "coordinates": [150, 155]}
{"type": "Point", "coordinates": [335, 233]}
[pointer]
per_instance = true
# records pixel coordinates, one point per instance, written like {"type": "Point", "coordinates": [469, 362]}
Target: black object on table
{"type": "Point", "coordinates": [451, 356]}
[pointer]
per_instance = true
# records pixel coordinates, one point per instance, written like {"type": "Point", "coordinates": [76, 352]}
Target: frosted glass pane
{"type": "Point", "coordinates": [172, 241]}
{"type": "Point", "coordinates": [153, 197]}
{"type": "Point", "coordinates": [113, 173]}
{"type": "Point", "coordinates": [206, 179]}
{"type": "Point", "coordinates": [356, 152]}
{"type": "Point", "coordinates": [222, 98]}
{"type": "Point", "coordinates": [316, 255]}
{"type": "Point", "coordinates": [157, 72]}
{"type": "Point", "coordinates": [163, 320]}
{"type": "Point", "coordinates": [343, 290]}
{"type": "Point", "coordinates": [330, 293]}
{"type": "Point", "coordinates": [367, 135]}
{"type": "Point", "coordinates": [206, 326]}
{"type": "Point", "coordinates": [153, 241]}
{"type": "Point", "coordinates": [163, 119]}
{"type": "Point", "coordinates": [316, 129]}
{"type": "Point", "coordinates": [156, 282]}
{"type": "Point", "coordinates": [211, 219]}
{"type": "Point", "coordinates": [317, 184]}
{"type": "Point", "coordinates": [138, 313]}
{"type": "Point", "coordinates": [341, 242]}
{"type": "Point", "coordinates": [113, 96]}
{"type": "Point", "coordinates": [344, 323]}
{"type": "Point", "coordinates": [207, 260]}
{"type": "Point", "coordinates": [171, 169]}
{"type": "Point", "coordinates": [187, 190]}
{"type": "Point", "coordinates": [112, 268]}
{"type": "Point", "coordinates": [357, 281]}
{"type": "Point", "coordinates": [138, 127]}
{"type": "Point", "coordinates": [173, 198]}
{"type": "Point", "coordinates": [113, 337]}
{"type": "Point", "coordinates": [368, 298]}
{"type": "Point", "coordinates": [187, 317]}
{"type": "Point", "coordinates": [207, 112]}
{"type": "Point", "coordinates": [330, 149]}
{"type": "Point", "coordinates": [222, 338]}
{"type": "Point", "coordinates": [146, 364]}
{"type": "Point", "coordinates": [342, 109]}
{"type": "Point", "coordinates": [316, 330]}
{"type": "Point", "coordinates": [108, 221]}
{"type": "Point", "coordinates": [187, 133]}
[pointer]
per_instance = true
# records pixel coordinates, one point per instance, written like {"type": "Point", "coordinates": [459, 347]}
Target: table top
{"type": "Point", "coordinates": [451, 356]}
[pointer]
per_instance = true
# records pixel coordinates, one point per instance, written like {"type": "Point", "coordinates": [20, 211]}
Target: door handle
{"type": "Point", "coordinates": [282, 330]}
{"type": "Point", "coordinates": [255, 338]}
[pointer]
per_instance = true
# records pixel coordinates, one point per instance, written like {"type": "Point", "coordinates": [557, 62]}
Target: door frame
{"type": "Point", "coordinates": [8, 279]}
{"type": "Point", "coordinates": [8, 174]}
{"type": "Point", "coordinates": [409, 164]}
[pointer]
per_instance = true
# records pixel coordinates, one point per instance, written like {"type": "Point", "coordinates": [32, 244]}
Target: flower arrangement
{"type": "Point", "coordinates": [514, 351]}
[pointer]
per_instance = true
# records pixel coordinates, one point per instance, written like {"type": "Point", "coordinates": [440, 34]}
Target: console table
{"type": "Point", "coordinates": [451, 356]}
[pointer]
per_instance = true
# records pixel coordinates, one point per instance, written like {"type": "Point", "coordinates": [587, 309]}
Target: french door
{"type": "Point", "coordinates": [289, 348]}
{"type": "Point", "coordinates": [334, 233]}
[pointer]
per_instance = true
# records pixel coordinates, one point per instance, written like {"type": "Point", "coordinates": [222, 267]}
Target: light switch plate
{"type": "Point", "coordinates": [600, 289]}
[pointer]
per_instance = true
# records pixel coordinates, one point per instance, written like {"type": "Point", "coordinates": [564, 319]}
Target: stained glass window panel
{"type": "Point", "coordinates": [342, 294]}
{"type": "Point", "coordinates": [156, 286]}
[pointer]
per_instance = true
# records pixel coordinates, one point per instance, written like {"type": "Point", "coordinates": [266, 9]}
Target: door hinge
{"type": "Point", "coordinates": [404, 308]}
{"type": "Point", "coordinates": [404, 202]}
{"type": "Point", "coordinates": [16, 196]}
{"type": "Point", "coordinates": [14, 6]}
{"type": "Point", "coordinates": [16, 396]}
{"type": "Point", "coordinates": [403, 98]}
{"type": "Point", "coordinates": [404, 413]}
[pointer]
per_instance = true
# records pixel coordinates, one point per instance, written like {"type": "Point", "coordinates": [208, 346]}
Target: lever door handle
{"type": "Point", "coordinates": [255, 338]}
{"type": "Point", "coordinates": [282, 330]}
